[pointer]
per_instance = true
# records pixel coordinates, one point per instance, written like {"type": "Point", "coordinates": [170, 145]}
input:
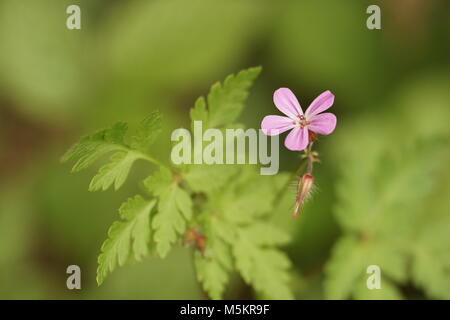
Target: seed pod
{"type": "Point", "coordinates": [304, 189]}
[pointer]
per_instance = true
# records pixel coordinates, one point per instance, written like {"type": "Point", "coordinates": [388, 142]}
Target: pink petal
{"type": "Point", "coordinates": [287, 103]}
{"type": "Point", "coordinates": [323, 123]}
{"type": "Point", "coordinates": [273, 125]}
{"type": "Point", "coordinates": [320, 104]}
{"type": "Point", "coordinates": [297, 139]}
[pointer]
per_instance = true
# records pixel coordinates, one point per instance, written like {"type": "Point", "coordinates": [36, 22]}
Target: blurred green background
{"type": "Point", "coordinates": [392, 89]}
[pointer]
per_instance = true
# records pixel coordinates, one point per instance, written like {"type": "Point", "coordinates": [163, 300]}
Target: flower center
{"type": "Point", "coordinates": [301, 122]}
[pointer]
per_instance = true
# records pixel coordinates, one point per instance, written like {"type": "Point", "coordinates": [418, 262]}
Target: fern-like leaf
{"type": "Point", "coordinates": [213, 266]}
{"type": "Point", "coordinates": [378, 206]}
{"type": "Point", "coordinates": [174, 208]}
{"type": "Point", "coordinates": [92, 147]}
{"type": "Point", "coordinates": [129, 235]}
{"type": "Point", "coordinates": [147, 132]}
{"type": "Point", "coordinates": [264, 267]}
{"type": "Point", "coordinates": [225, 101]}
{"type": "Point", "coordinates": [114, 172]}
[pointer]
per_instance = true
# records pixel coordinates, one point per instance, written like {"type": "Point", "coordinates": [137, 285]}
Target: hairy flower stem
{"type": "Point", "coordinates": [306, 180]}
{"type": "Point", "coordinates": [310, 156]}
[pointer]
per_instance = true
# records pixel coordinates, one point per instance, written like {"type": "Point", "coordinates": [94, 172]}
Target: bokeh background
{"type": "Point", "coordinates": [392, 89]}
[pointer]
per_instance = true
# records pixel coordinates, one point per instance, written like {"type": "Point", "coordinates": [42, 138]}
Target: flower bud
{"type": "Point", "coordinates": [304, 189]}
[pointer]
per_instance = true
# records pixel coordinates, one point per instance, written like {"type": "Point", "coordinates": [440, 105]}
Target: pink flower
{"type": "Point", "coordinates": [312, 120]}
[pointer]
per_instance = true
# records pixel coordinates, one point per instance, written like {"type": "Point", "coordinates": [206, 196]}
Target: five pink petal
{"type": "Point", "coordinates": [298, 138]}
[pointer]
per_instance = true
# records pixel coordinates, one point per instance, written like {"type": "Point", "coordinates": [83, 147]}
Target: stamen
{"type": "Point", "coordinates": [302, 121]}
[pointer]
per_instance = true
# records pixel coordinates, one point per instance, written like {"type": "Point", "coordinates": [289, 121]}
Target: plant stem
{"type": "Point", "coordinates": [302, 164]}
{"type": "Point", "coordinates": [310, 158]}
{"type": "Point", "coordinates": [150, 159]}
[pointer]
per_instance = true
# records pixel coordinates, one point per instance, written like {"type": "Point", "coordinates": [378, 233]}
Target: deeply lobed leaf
{"type": "Point", "coordinates": [225, 101]}
{"type": "Point", "coordinates": [129, 235]}
{"type": "Point", "coordinates": [378, 207]}
{"type": "Point", "coordinates": [114, 172]}
{"type": "Point", "coordinates": [174, 208]}
{"type": "Point", "coordinates": [147, 132]}
{"type": "Point", "coordinates": [92, 147]}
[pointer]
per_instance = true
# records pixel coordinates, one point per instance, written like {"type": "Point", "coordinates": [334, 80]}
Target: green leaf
{"type": "Point", "coordinates": [388, 291]}
{"type": "Point", "coordinates": [380, 198]}
{"type": "Point", "coordinates": [430, 268]}
{"type": "Point", "coordinates": [157, 183]}
{"type": "Point", "coordinates": [232, 221]}
{"type": "Point", "coordinates": [430, 271]}
{"type": "Point", "coordinates": [265, 234]}
{"type": "Point", "coordinates": [115, 172]}
{"type": "Point", "coordinates": [258, 200]}
{"type": "Point", "coordinates": [92, 147]}
{"type": "Point", "coordinates": [184, 203]}
{"type": "Point", "coordinates": [147, 132]}
{"type": "Point", "coordinates": [431, 261]}
{"type": "Point", "coordinates": [129, 235]}
{"type": "Point", "coordinates": [199, 112]}
{"type": "Point", "coordinates": [265, 268]}
{"type": "Point", "coordinates": [168, 222]}
{"type": "Point", "coordinates": [379, 203]}
{"type": "Point", "coordinates": [212, 275]}
{"type": "Point", "coordinates": [214, 265]}
{"type": "Point", "coordinates": [221, 228]}
{"type": "Point", "coordinates": [174, 207]}
{"type": "Point", "coordinates": [344, 269]}
{"type": "Point", "coordinates": [209, 178]}
{"type": "Point", "coordinates": [225, 101]}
